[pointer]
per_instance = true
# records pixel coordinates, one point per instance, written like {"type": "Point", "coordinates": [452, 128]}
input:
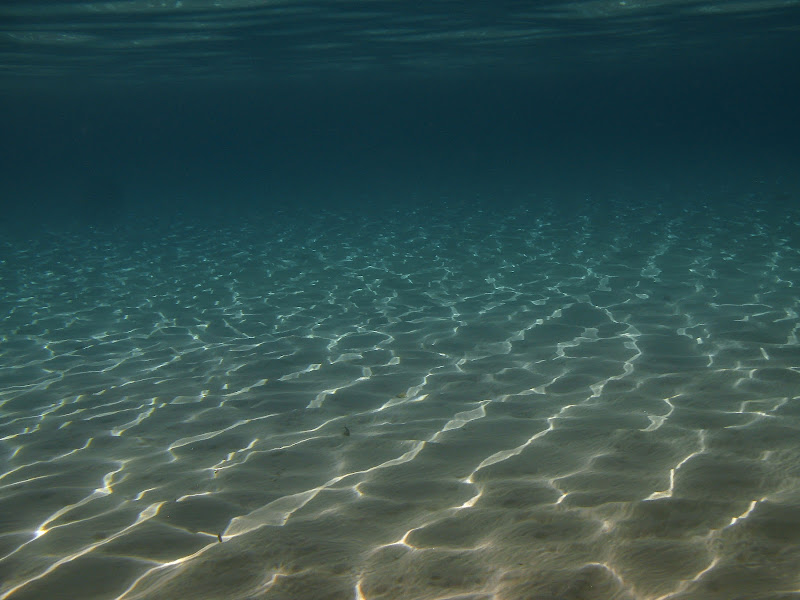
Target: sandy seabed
{"type": "Point", "coordinates": [452, 406]}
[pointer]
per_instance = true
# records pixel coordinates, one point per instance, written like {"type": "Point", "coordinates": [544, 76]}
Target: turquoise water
{"type": "Point", "coordinates": [358, 300]}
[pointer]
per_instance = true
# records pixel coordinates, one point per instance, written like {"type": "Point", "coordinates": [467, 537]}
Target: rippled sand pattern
{"type": "Point", "coordinates": [421, 407]}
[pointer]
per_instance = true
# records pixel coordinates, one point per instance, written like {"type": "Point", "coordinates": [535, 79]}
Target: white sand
{"type": "Point", "coordinates": [535, 409]}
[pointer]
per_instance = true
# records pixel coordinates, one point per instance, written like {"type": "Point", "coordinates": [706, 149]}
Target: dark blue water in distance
{"type": "Point", "coordinates": [381, 300]}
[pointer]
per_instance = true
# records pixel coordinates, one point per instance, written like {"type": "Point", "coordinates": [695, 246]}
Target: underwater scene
{"type": "Point", "coordinates": [374, 301]}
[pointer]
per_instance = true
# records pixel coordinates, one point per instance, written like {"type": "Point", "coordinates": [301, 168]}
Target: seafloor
{"type": "Point", "coordinates": [450, 404]}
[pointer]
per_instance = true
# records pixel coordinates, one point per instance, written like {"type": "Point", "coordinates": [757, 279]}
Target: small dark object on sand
{"type": "Point", "coordinates": [219, 537]}
{"type": "Point", "coordinates": [346, 432]}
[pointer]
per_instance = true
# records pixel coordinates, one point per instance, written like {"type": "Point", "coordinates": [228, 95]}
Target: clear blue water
{"type": "Point", "coordinates": [373, 301]}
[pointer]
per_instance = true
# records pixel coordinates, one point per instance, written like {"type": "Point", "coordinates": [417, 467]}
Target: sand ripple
{"type": "Point", "coordinates": [466, 406]}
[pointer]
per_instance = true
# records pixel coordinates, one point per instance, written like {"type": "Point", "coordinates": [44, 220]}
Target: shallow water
{"type": "Point", "coordinates": [453, 404]}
